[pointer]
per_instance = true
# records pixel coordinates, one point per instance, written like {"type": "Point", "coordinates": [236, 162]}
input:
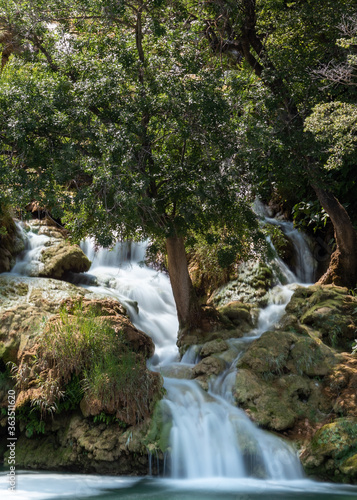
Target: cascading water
{"type": "Point", "coordinates": [211, 438]}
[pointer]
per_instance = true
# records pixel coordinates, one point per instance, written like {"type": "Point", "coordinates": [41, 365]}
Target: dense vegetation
{"type": "Point", "coordinates": [163, 118]}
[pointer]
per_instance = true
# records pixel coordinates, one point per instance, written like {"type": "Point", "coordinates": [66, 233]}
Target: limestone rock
{"type": "Point", "coordinates": [240, 314]}
{"type": "Point", "coordinates": [251, 286]}
{"type": "Point", "coordinates": [62, 257]}
{"type": "Point", "coordinates": [276, 381]}
{"type": "Point", "coordinates": [72, 442]}
{"type": "Point", "coordinates": [30, 305]}
{"type": "Point", "coordinates": [326, 312]}
{"type": "Point", "coordinates": [209, 366]}
{"type": "Point", "coordinates": [332, 453]}
{"type": "Point", "coordinates": [213, 347]}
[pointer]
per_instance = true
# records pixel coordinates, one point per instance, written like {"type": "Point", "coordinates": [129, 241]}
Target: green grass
{"type": "Point", "coordinates": [81, 356]}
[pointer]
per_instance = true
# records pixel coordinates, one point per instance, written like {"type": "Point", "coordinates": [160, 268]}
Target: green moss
{"type": "Point", "coordinates": [82, 360]}
{"type": "Point", "coordinates": [158, 436]}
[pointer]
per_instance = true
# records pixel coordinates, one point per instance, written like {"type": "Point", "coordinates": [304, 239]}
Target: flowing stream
{"type": "Point", "coordinates": [216, 451]}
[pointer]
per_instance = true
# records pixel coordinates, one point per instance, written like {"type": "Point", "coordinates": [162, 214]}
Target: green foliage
{"type": "Point", "coordinates": [72, 395]}
{"type": "Point", "coordinates": [80, 356]}
{"type": "Point", "coordinates": [32, 419]}
{"type": "Point", "coordinates": [354, 347]}
{"type": "Point", "coordinates": [138, 128]}
{"type": "Point", "coordinates": [75, 340]}
{"type": "Point", "coordinates": [106, 419]}
{"type": "Point", "coordinates": [216, 255]}
{"type": "Point", "coordinates": [309, 214]}
{"type": "Point", "coordinates": [335, 125]}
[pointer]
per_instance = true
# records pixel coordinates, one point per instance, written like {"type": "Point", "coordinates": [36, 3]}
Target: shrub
{"type": "Point", "coordinates": [80, 355]}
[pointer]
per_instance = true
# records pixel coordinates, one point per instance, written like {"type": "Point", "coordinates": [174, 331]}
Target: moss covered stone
{"type": "Point", "coordinates": [62, 257]}
{"type": "Point", "coordinates": [251, 286]}
{"type": "Point", "coordinates": [213, 347]}
{"type": "Point", "coordinates": [332, 453]}
{"type": "Point", "coordinates": [326, 312]}
{"type": "Point", "coordinates": [277, 379]}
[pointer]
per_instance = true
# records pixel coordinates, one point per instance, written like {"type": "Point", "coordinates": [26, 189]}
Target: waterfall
{"type": "Point", "coordinates": [210, 436]}
{"type": "Point", "coordinates": [305, 263]}
{"type": "Point", "coordinates": [28, 262]}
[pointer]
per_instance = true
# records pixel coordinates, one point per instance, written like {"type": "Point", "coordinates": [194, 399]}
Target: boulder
{"type": "Point", "coordinates": [213, 347]}
{"type": "Point", "coordinates": [278, 380]}
{"type": "Point", "coordinates": [253, 281]}
{"type": "Point", "coordinates": [61, 257]}
{"type": "Point", "coordinates": [244, 316]}
{"type": "Point", "coordinates": [326, 312]}
{"type": "Point", "coordinates": [332, 452]}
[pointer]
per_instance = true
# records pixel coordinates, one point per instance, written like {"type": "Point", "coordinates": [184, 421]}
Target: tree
{"type": "Point", "coordinates": [111, 117]}
{"type": "Point", "coordinates": [281, 42]}
{"type": "Point", "coordinates": [334, 125]}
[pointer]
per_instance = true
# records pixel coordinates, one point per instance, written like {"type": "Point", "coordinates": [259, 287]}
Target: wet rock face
{"type": "Point", "coordinates": [11, 243]}
{"type": "Point", "coordinates": [58, 257]}
{"type": "Point", "coordinates": [332, 453]}
{"type": "Point", "coordinates": [74, 443]}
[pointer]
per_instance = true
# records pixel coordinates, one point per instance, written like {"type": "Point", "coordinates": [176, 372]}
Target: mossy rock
{"type": "Point", "coordinates": [332, 453]}
{"type": "Point", "coordinates": [276, 380]}
{"type": "Point", "coordinates": [263, 402]}
{"type": "Point", "coordinates": [253, 281]}
{"type": "Point", "coordinates": [200, 337]}
{"type": "Point", "coordinates": [209, 366]}
{"type": "Point", "coordinates": [61, 258]}
{"type": "Point", "coordinates": [279, 403]}
{"type": "Point", "coordinates": [73, 443]}
{"type": "Point", "coordinates": [269, 353]}
{"type": "Point", "coordinates": [326, 312]}
{"type": "Point", "coordinates": [213, 347]}
{"type": "Point", "coordinates": [240, 314]}
{"type": "Point", "coordinates": [311, 357]}
{"type": "Point", "coordinates": [160, 424]}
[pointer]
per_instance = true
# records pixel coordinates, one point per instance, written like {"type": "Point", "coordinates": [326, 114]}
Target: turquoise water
{"type": "Point", "coordinates": [56, 486]}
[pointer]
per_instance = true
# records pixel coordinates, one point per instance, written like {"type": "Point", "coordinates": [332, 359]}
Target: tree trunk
{"type": "Point", "coordinates": [342, 270]}
{"type": "Point", "coordinates": [188, 310]}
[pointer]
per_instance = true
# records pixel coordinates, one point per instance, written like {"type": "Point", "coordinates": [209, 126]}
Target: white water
{"type": "Point", "coordinates": [28, 262]}
{"type": "Point", "coordinates": [216, 449]}
{"type": "Point", "coordinates": [210, 436]}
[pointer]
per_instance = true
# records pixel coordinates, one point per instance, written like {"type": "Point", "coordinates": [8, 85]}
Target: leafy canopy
{"type": "Point", "coordinates": [112, 115]}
